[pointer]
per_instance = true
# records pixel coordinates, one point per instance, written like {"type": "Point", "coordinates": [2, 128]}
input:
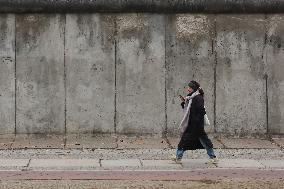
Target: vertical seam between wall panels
{"type": "Point", "coordinates": [15, 58]}
{"type": "Point", "coordinates": [214, 41]}
{"type": "Point", "coordinates": [215, 72]}
{"type": "Point", "coordinates": [266, 75]}
{"type": "Point", "coordinates": [266, 96]}
{"type": "Point", "coordinates": [65, 87]}
{"type": "Point", "coordinates": [115, 76]}
{"type": "Point", "coordinates": [165, 133]}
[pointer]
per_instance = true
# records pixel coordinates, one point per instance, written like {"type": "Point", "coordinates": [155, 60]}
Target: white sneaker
{"type": "Point", "coordinates": [212, 161]}
{"type": "Point", "coordinates": [173, 158]}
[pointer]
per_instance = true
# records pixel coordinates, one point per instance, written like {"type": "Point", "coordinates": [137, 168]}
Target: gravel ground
{"type": "Point", "coordinates": [118, 184]}
{"type": "Point", "coordinates": [256, 154]}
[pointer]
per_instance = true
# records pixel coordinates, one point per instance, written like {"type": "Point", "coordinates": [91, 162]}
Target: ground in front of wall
{"type": "Point", "coordinates": [119, 184]}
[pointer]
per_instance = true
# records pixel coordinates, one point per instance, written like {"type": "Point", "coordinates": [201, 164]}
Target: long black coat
{"type": "Point", "coordinates": [195, 128]}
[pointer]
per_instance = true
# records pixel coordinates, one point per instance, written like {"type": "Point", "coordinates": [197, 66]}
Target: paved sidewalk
{"type": "Point", "coordinates": [91, 157]}
{"type": "Point", "coordinates": [134, 164]}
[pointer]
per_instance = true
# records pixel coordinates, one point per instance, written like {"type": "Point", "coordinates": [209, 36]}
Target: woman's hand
{"type": "Point", "coordinates": [182, 98]}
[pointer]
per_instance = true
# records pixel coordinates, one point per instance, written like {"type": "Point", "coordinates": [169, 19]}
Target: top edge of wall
{"type": "Point", "coordinates": [147, 6]}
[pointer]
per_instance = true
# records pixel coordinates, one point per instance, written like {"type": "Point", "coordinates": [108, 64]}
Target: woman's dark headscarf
{"type": "Point", "coordinates": [196, 86]}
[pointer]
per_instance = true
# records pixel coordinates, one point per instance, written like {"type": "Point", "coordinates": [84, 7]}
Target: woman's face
{"type": "Point", "coordinates": [189, 90]}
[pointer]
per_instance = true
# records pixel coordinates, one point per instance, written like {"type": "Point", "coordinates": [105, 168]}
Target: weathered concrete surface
{"type": "Point", "coordinates": [7, 73]}
{"type": "Point", "coordinates": [6, 141]}
{"type": "Point", "coordinates": [239, 163]}
{"type": "Point", "coordinates": [189, 56]}
{"type": "Point", "coordinates": [275, 66]}
{"type": "Point", "coordinates": [190, 164]}
{"type": "Point", "coordinates": [141, 143]}
{"type": "Point", "coordinates": [91, 141]}
{"type": "Point", "coordinates": [65, 164]}
{"type": "Point", "coordinates": [90, 73]}
{"type": "Point", "coordinates": [40, 73]}
{"type": "Point", "coordinates": [121, 164]}
{"type": "Point", "coordinates": [247, 143]}
{"type": "Point", "coordinates": [13, 163]}
{"type": "Point", "coordinates": [157, 6]}
{"type": "Point", "coordinates": [270, 164]}
{"type": "Point", "coordinates": [160, 164]}
{"type": "Point", "coordinates": [140, 74]}
{"type": "Point", "coordinates": [38, 141]}
{"type": "Point", "coordinates": [240, 82]}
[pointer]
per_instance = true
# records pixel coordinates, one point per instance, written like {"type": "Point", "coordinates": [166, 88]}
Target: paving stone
{"type": "Point", "coordinates": [276, 164]}
{"type": "Point", "coordinates": [160, 164]}
{"type": "Point", "coordinates": [247, 143]}
{"type": "Point", "coordinates": [239, 163]}
{"type": "Point", "coordinates": [38, 141]}
{"type": "Point", "coordinates": [91, 141]}
{"type": "Point", "coordinates": [196, 164]}
{"type": "Point", "coordinates": [142, 143]}
{"type": "Point", "coordinates": [279, 141]}
{"type": "Point", "coordinates": [174, 142]}
{"type": "Point", "coordinates": [13, 162]}
{"type": "Point", "coordinates": [121, 163]}
{"type": "Point", "coordinates": [64, 164]}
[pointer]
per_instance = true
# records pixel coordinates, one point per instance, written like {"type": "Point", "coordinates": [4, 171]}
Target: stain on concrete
{"type": "Point", "coordinates": [107, 31]}
{"type": "Point", "coordinates": [275, 69]}
{"type": "Point", "coordinates": [134, 26]}
{"type": "Point", "coordinates": [190, 27]}
{"type": "Point", "coordinates": [277, 43]}
{"type": "Point", "coordinates": [30, 33]}
{"type": "Point", "coordinates": [86, 27]}
{"type": "Point", "coordinates": [3, 29]}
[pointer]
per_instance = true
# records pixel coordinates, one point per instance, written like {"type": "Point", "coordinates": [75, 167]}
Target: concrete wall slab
{"type": "Point", "coordinates": [40, 73]}
{"type": "Point", "coordinates": [90, 73]}
{"type": "Point", "coordinates": [240, 78]}
{"type": "Point", "coordinates": [275, 70]}
{"type": "Point", "coordinates": [7, 73]}
{"type": "Point", "coordinates": [140, 73]}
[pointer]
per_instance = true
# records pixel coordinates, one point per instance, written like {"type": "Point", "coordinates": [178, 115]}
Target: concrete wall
{"type": "Point", "coordinates": [275, 69]}
{"type": "Point", "coordinates": [122, 73]}
{"type": "Point", "coordinates": [7, 73]}
{"type": "Point", "coordinates": [40, 74]}
{"type": "Point", "coordinates": [140, 73]}
{"type": "Point", "coordinates": [240, 81]}
{"type": "Point", "coordinates": [90, 73]}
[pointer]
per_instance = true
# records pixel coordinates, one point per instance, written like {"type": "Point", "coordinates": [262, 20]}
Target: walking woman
{"type": "Point", "coordinates": [192, 125]}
